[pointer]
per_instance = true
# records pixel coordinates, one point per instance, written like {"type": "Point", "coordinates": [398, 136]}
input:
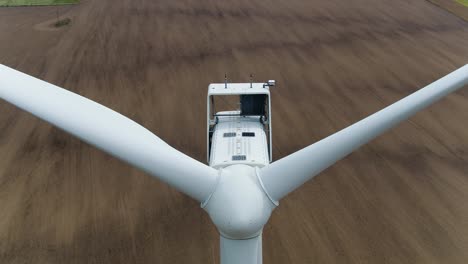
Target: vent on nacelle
{"type": "Point", "coordinates": [239, 157]}
{"type": "Point", "coordinates": [229, 134]}
{"type": "Point", "coordinates": [248, 134]}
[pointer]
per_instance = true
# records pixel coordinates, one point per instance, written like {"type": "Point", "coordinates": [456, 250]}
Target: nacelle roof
{"type": "Point", "coordinates": [238, 88]}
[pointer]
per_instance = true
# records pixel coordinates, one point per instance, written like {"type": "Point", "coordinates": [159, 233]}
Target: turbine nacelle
{"type": "Point", "coordinates": [239, 205]}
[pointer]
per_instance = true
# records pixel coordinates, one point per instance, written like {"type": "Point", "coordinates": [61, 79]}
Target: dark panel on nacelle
{"type": "Point", "coordinates": [253, 104]}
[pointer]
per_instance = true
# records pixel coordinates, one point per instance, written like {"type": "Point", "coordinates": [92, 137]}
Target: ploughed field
{"type": "Point", "coordinates": [400, 199]}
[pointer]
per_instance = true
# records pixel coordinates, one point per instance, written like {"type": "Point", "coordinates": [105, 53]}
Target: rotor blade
{"type": "Point", "coordinates": [287, 174]}
{"type": "Point", "coordinates": [108, 131]}
{"type": "Point", "coordinates": [242, 251]}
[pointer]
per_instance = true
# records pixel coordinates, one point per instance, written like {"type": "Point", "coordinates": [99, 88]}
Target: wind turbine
{"type": "Point", "coordinates": [239, 197]}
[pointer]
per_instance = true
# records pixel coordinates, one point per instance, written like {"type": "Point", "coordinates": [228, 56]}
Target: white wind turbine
{"type": "Point", "coordinates": [239, 198]}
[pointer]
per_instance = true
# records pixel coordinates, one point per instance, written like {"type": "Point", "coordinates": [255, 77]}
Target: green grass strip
{"type": "Point", "coordinates": [463, 2]}
{"type": "Point", "coordinates": [36, 2]}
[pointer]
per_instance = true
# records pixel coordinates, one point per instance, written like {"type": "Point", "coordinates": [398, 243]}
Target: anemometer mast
{"type": "Point", "coordinates": [240, 188]}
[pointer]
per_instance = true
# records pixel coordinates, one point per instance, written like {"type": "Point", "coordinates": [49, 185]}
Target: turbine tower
{"type": "Point", "coordinates": [239, 197]}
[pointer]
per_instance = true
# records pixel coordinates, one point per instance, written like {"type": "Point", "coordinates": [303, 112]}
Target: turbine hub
{"type": "Point", "coordinates": [239, 206]}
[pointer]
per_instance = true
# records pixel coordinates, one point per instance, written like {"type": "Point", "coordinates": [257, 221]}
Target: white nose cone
{"type": "Point", "coordinates": [239, 207]}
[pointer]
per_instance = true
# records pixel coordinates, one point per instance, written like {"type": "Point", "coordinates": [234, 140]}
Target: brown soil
{"type": "Point", "coordinates": [401, 199]}
{"type": "Point", "coordinates": [452, 6]}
